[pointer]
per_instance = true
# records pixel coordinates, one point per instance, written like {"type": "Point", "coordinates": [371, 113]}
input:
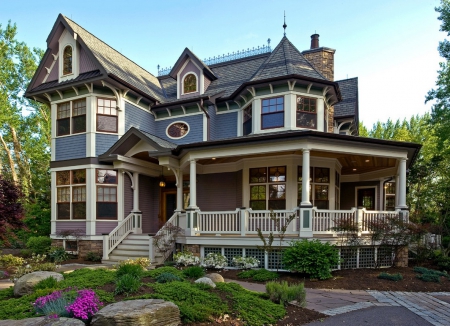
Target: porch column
{"type": "Point", "coordinates": [193, 184]}
{"type": "Point", "coordinates": [397, 182]}
{"type": "Point", "coordinates": [305, 179]}
{"type": "Point", "coordinates": [306, 218]}
{"type": "Point", "coordinates": [136, 192]}
{"type": "Point", "coordinates": [179, 175]}
{"type": "Point", "coordinates": [402, 185]}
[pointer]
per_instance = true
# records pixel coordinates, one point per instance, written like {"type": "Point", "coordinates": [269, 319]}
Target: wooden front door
{"type": "Point", "coordinates": [366, 198]}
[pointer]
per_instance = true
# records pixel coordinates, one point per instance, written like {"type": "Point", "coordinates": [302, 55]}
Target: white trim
{"type": "Point", "coordinates": [205, 128]}
{"type": "Point", "coordinates": [178, 121]}
{"type": "Point", "coordinates": [179, 116]}
{"type": "Point", "coordinates": [366, 187]}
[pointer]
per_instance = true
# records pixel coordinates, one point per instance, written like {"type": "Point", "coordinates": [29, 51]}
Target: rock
{"type": "Point", "coordinates": [25, 284]}
{"type": "Point", "coordinates": [206, 280]}
{"type": "Point", "coordinates": [153, 312]}
{"type": "Point", "coordinates": [216, 278]}
{"type": "Point", "coordinates": [43, 321]}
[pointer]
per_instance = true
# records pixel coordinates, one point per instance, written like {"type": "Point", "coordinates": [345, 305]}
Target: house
{"type": "Point", "coordinates": [211, 146]}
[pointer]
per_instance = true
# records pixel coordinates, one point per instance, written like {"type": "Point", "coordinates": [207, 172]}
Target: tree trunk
{"type": "Point", "coordinates": [10, 159]}
{"type": "Point", "coordinates": [21, 162]}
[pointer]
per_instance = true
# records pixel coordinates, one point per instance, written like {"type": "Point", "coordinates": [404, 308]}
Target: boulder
{"type": "Point", "coordinates": [206, 280]}
{"type": "Point", "coordinates": [25, 284]}
{"type": "Point", "coordinates": [43, 321]}
{"type": "Point", "coordinates": [216, 278]}
{"type": "Point", "coordinates": [153, 312]}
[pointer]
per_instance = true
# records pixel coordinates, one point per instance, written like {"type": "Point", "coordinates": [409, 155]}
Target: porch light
{"type": "Point", "coordinates": [213, 158]}
{"type": "Point", "coordinates": [367, 161]}
{"type": "Point", "coordinates": [162, 182]}
{"type": "Point", "coordinates": [354, 169]}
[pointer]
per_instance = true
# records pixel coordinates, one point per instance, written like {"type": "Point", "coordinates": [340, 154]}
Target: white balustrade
{"type": "Point", "coordinates": [227, 222]}
{"type": "Point", "coordinates": [125, 227]}
{"type": "Point", "coordinates": [262, 220]}
{"type": "Point", "coordinates": [324, 220]}
{"type": "Point", "coordinates": [373, 219]}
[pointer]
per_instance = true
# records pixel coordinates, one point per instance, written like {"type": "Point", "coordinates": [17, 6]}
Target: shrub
{"type": "Point", "coordinates": [194, 272]}
{"type": "Point", "coordinates": [39, 245]}
{"type": "Point", "coordinates": [88, 278]}
{"type": "Point", "coordinates": [444, 263]}
{"type": "Point", "coordinates": [311, 257]}
{"type": "Point", "coordinates": [167, 277]}
{"type": "Point", "coordinates": [284, 293]}
{"type": "Point", "coordinates": [166, 269]}
{"type": "Point", "coordinates": [93, 256]}
{"type": "Point", "coordinates": [58, 254]}
{"type": "Point", "coordinates": [127, 284]}
{"type": "Point", "coordinates": [259, 275]}
{"type": "Point", "coordinates": [33, 264]}
{"type": "Point", "coordinates": [9, 261]}
{"type": "Point", "coordinates": [215, 260]}
{"type": "Point", "coordinates": [47, 283]}
{"type": "Point", "coordinates": [134, 270]}
{"type": "Point", "coordinates": [143, 262]}
{"type": "Point", "coordinates": [245, 262]}
{"type": "Point", "coordinates": [429, 275]}
{"type": "Point", "coordinates": [186, 258]}
{"type": "Point", "coordinates": [391, 277]}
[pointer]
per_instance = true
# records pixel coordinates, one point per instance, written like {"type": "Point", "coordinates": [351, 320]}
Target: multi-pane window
{"type": "Point", "coordinates": [71, 194]}
{"type": "Point", "coordinates": [67, 60]}
{"type": "Point", "coordinates": [319, 186]}
{"type": "Point", "coordinates": [190, 84]}
{"type": "Point", "coordinates": [389, 190]}
{"type": "Point", "coordinates": [71, 117]}
{"type": "Point", "coordinates": [306, 112]}
{"type": "Point", "coordinates": [272, 113]}
{"type": "Point", "coordinates": [106, 194]}
{"type": "Point", "coordinates": [107, 119]}
{"type": "Point", "coordinates": [268, 188]}
{"type": "Point", "coordinates": [337, 188]}
{"type": "Point", "coordinates": [247, 126]}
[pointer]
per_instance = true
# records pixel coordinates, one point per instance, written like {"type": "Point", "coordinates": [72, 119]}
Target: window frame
{"type": "Point", "coordinates": [174, 123]}
{"type": "Point", "coordinates": [68, 118]}
{"type": "Point", "coordinates": [297, 111]}
{"type": "Point", "coordinates": [272, 113]}
{"type": "Point", "coordinates": [64, 73]}
{"type": "Point", "coordinates": [247, 119]}
{"type": "Point", "coordinates": [313, 184]}
{"type": "Point", "coordinates": [103, 185]}
{"type": "Point", "coordinates": [97, 114]}
{"type": "Point", "coordinates": [71, 117]}
{"type": "Point", "coordinates": [389, 195]}
{"type": "Point", "coordinates": [267, 183]}
{"type": "Point", "coordinates": [184, 82]}
{"type": "Point", "coordinates": [69, 185]}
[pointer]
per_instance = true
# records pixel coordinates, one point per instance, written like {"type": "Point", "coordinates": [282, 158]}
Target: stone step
{"type": "Point", "coordinates": [130, 253]}
{"type": "Point", "coordinates": [138, 247]}
{"type": "Point", "coordinates": [138, 236]}
{"type": "Point", "coordinates": [136, 241]}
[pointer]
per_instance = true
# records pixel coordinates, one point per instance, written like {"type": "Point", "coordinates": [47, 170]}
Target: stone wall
{"type": "Point", "coordinates": [323, 60]}
{"type": "Point", "coordinates": [401, 260]}
{"type": "Point", "coordinates": [84, 246]}
{"type": "Point", "coordinates": [195, 249]}
{"type": "Point", "coordinates": [331, 119]}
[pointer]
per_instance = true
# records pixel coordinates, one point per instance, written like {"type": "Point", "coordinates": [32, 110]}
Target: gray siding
{"type": "Point", "coordinates": [70, 147]}
{"type": "Point", "coordinates": [195, 134]}
{"type": "Point", "coordinates": [76, 225]}
{"type": "Point", "coordinates": [212, 123]}
{"type": "Point", "coordinates": [149, 203]}
{"type": "Point", "coordinates": [128, 195]}
{"type": "Point", "coordinates": [103, 142]}
{"type": "Point", "coordinates": [54, 73]}
{"type": "Point", "coordinates": [138, 118]}
{"type": "Point", "coordinates": [85, 63]}
{"type": "Point", "coordinates": [226, 125]}
{"type": "Point", "coordinates": [348, 193]}
{"type": "Point", "coordinates": [104, 227]}
{"type": "Point", "coordinates": [219, 191]}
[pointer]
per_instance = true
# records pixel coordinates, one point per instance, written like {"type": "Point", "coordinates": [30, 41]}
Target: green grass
{"type": "Point", "coordinates": [87, 278]}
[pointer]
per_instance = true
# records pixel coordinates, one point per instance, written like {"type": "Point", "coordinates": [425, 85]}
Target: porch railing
{"type": "Point", "coordinates": [227, 222]}
{"type": "Point", "coordinates": [325, 220]}
{"type": "Point", "coordinates": [263, 220]}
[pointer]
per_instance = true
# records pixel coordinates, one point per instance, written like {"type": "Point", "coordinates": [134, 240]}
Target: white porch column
{"type": "Point", "coordinates": [179, 175]}
{"type": "Point", "coordinates": [397, 182]}
{"type": "Point", "coordinates": [320, 115]}
{"type": "Point", "coordinates": [135, 192]}
{"type": "Point", "coordinates": [305, 179]}
{"type": "Point", "coordinates": [193, 184]}
{"type": "Point", "coordinates": [402, 184]}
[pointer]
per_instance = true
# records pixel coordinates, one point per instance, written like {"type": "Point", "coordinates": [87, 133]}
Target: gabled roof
{"type": "Point", "coordinates": [188, 54]}
{"type": "Point", "coordinates": [286, 60]}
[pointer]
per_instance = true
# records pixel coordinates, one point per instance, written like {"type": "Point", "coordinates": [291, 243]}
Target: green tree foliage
{"type": "Point", "coordinates": [24, 130]}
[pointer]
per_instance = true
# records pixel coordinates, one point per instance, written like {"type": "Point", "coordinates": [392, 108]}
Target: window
{"type": "Point", "coordinates": [68, 119]}
{"type": "Point", "coordinates": [337, 187]}
{"type": "Point", "coordinates": [177, 130]}
{"type": "Point", "coordinates": [106, 194]}
{"type": "Point", "coordinates": [306, 112]}
{"type": "Point", "coordinates": [67, 60]}
{"type": "Point", "coordinates": [272, 113]}
{"type": "Point", "coordinates": [389, 190]}
{"type": "Point", "coordinates": [247, 127]}
{"type": "Point", "coordinates": [71, 195]}
{"type": "Point", "coordinates": [107, 119]}
{"type": "Point", "coordinates": [189, 84]}
{"type": "Point", "coordinates": [268, 188]}
{"type": "Point", "coordinates": [319, 186]}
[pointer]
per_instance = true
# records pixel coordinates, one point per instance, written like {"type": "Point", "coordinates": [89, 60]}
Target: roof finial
{"type": "Point", "coordinates": [284, 25]}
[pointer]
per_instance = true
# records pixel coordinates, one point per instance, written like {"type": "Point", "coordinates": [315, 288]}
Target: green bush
{"type": "Point", "coordinates": [134, 270]}
{"type": "Point", "coordinates": [282, 292]}
{"type": "Point", "coordinates": [194, 272]}
{"type": "Point", "coordinates": [259, 275]}
{"type": "Point", "coordinates": [93, 256]}
{"type": "Point", "coordinates": [429, 275]}
{"type": "Point", "coordinates": [391, 277]}
{"type": "Point", "coordinates": [167, 277]}
{"type": "Point", "coordinates": [127, 284]}
{"type": "Point", "coordinates": [39, 245]}
{"type": "Point", "coordinates": [88, 278]}
{"type": "Point", "coordinates": [47, 283]}
{"type": "Point", "coordinates": [444, 263]}
{"type": "Point", "coordinates": [8, 261]}
{"type": "Point", "coordinates": [58, 254]}
{"type": "Point", "coordinates": [166, 269]}
{"type": "Point", "coordinates": [311, 257]}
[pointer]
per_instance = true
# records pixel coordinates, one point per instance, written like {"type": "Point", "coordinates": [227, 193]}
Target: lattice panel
{"type": "Point", "coordinates": [366, 258]}
{"type": "Point", "coordinates": [208, 250]}
{"type": "Point", "coordinates": [256, 253]}
{"type": "Point", "coordinates": [348, 256]}
{"type": "Point", "coordinates": [384, 257]}
{"type": "Point", "coordinates": [230, 253]}
{"type": "Point", "coordinates": [275, 258]}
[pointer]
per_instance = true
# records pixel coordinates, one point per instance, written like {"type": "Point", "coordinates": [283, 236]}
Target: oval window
{"type": "Point", "coordinates": [177, 130]}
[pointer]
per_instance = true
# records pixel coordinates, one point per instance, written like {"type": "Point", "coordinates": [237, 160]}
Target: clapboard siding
{"type": "Point", "coordinates": [104, 227]}
{"type": "Point", "coordinates": [138, 118]}
{"type": "Point", "coordinates": [103, 142]}
{"type": "Point", "coordinates": [219, 191]}
{"type": "Point", "coordinates": [194, 135]}
{"type": "Point", "coordinates": [71, 225]}
{"type": "Point", "coordinates": [149, 203]}
{"type": "Point", "coordinates": [128, 195]}
{"type": "Point", "coordinates": [348, 193]}
{"type": "Point", "coordinates": [70, 147]}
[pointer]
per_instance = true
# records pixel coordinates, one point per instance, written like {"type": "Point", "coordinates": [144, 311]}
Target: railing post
{"type": "Point", "coordinates": [244, 220]}
{"type": "Point", "coordinates": [359, 218]}
{"type": "Point", "coordinates": [306, 221]}
{"type": "Point", "coordinates": [151, 253]}
{"type": "Point", "coordinates": [105, 246]}
{"type": "Point", "coordinates": [191, 216]}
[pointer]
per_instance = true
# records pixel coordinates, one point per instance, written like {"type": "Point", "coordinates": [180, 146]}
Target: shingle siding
{"type": "Point", "coordinates": [103, 142]}
{"type": "Point", "coordinates": [212, 122]}
{"type": "Point", "coordinates": [70, 147]}
{"type": "Point", "coordinates": [138, 118]}
{"type": "Point", "coordinates": [226, 125]}
{"type": "Point", "coordinates": [149, 203]}
{"type": "Point", "coordinates": [195, 134]}
{"type": "Point", "coordinates": [219, 191]}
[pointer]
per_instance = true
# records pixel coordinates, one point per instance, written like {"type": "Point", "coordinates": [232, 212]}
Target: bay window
{"type": "Point", "coordinates": [71, 194]}
{"type": "Point", "coordinates": [107, 119]}
{"type": "Point", "coordinates": [319, 186]}
{"type": "Point", "coordinates": [272, 113]}
{"type": "Point", "coordinates": [306, 112]}
{"type": "Point", "coordinates": [106, 194]}
{"type": "Point", "coordinates": [268, 188]}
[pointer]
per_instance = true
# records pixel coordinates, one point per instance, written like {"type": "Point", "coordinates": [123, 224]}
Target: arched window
{"type": "Point", "coordinates": [67, 60]}
{"type": "Point", "coordinates": [190, 84]}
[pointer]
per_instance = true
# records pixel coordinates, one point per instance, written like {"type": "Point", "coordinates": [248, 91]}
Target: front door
{"type": "Point", "coordinates": [366, 198]}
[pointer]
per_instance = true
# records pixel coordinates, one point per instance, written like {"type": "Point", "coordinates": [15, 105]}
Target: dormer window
{"type": "Point", "coordinates": [190, 84]}
{"type": "Point", "coordinates": [67, 60]}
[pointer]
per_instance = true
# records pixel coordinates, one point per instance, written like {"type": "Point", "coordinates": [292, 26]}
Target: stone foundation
{"type": "Point", "coordinates": [401, 260]}
{"type": "Point", "coordinates": [195, 249]}
{"type": "Point", "coordinates": [84, 246]}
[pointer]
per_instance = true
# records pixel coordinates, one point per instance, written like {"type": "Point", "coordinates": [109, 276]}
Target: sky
{"type": "Point", "coordinates": [390, 45]}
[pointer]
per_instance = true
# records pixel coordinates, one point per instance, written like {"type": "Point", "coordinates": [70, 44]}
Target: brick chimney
{"type": "Point", "coordinates": [321, 58]}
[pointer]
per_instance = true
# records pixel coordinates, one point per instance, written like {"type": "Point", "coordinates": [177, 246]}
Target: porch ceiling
{"type": "Point", "coordinates": [362, 164]}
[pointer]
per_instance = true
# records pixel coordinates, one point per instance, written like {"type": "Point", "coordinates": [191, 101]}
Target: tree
{"type": "Point", "coordinates": [11, 209]}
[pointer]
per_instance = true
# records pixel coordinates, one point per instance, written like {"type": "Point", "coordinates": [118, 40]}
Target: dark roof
{"type": "Point", "coordinates": [182, 59]}
{"type": "Point", "coordinates": [349, 104]}
{"type": "Point", "coordinates": [54, 83]}
{"type": "Point", "coordinates": [161, 142]}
